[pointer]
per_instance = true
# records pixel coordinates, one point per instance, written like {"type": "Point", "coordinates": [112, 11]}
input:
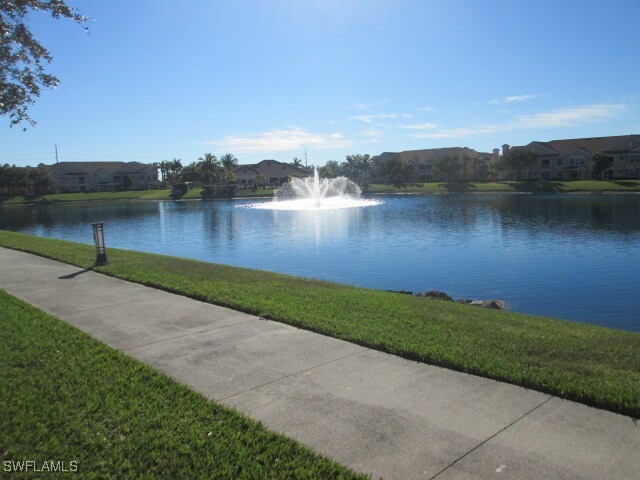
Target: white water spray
{"type": "Point", "coordinates": [315, 193]}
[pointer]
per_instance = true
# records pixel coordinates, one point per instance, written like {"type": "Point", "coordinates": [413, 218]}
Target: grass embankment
{"type": "Point", "coordinates": [165, 194]}
{"type": "Point", "coordinates": [582, 186]}
{"type": "Point", "coordinates": [69, 398]}
{"type": "Point", "coordinates": [590, 364]}
{"type": "Point", "coordinates": [586, 186]}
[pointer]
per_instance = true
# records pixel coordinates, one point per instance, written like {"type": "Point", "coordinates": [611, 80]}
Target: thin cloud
{"type": "Point", "coordinates": [421, 126]}
{"type": "Point", "coordinates": [292, 138]}
{"type": "Point", "coordinates": [370, 118]}
{"type": "Point", "coordinates": [372, 133]}
{"type": "Point", "coordinates": [565, 117]}
{"type": "Point", "coordinates": [459, 132]}
{"type": "Point", "coordinates": [366, 106]}
{"type": "Point", "coordinates": [515, 98]}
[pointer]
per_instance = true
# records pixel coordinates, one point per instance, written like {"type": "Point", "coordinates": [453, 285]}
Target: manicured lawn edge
{"type": "Point", "coordinates": [133, 195]}
{"type": "Point", "coordinates": [582, 186]}
{"type": "Point", "coordinates": [68, 398]}
{"type": "Point", "coordinates": [593, 365]}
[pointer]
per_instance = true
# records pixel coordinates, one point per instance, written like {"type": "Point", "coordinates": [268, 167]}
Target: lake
{"type": "Point", "coordinates": [574, 257]}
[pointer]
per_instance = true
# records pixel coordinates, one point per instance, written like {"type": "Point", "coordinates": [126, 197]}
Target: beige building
{"type": "Point", "coordinates": [571, 159]}
{"type": "Point", "coordinates": [422, 161]}
{"type": "Point", "coordinates": [100, 176]}
{"type": "Point", "coordinates": [274, 172]}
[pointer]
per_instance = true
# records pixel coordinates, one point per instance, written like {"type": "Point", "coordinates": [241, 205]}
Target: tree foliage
{"type": "Point", "coordinates": [208, 165]}
{"type": "Point", "coordinates": [23, 58]}
{"type": "Point", "coordinates": [447, 166]}
{"type": "Point", "coordinates": [518, 159]}
{"type": "Point", "coordinates": [229, 163]}
{"type": "Point", "coordinates": [599, 163]}
{"type": "Point", "coordinates": [357, 166]}
{"type": "Point", "coordinates": [15, 180]}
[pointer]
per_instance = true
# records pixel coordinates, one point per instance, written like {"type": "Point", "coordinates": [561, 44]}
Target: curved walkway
{"type": "Point", "coordinates": [371, 411]}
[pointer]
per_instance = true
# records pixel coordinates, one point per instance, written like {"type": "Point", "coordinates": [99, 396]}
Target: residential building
{"type": "Point", "coordinates": [100, 176]}
{"type": "Point", "coordinates": [421, 164]}
{"type": "Point", "coordinates": [274, 172]}
{"type": "Point", "coordinates": [570, 159]}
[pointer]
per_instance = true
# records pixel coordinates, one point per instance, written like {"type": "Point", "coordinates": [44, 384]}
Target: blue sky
{"type": "Point", "coordinates": [159, 79]}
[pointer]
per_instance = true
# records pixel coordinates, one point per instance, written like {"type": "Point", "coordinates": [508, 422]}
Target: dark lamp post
{"type": "Point", "coordinates": [98, 238]}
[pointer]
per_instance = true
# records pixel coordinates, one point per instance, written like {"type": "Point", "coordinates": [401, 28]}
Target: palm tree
{"type": "Point", "coordinates": [164, 170]}
{"type": "Point", "coordinates": [389, 169]}
{"type": "Point", "coordinates": [447, 166]}
{"type": "Point", "coordinates": [520, 159]}
{"type": "Point", "coordinates": [175, 166]}
{"type": "Point", "coordinates": [296, 162]}
{"type": "Point", "coordinates": [208, 164]}
{"type": "Point", "coordinates": [599, 163]}
{"type": "Point", "coordinates": [366, 165]}
{"type": "Point", "coordinates": [481, 167]}
{"type": "Point", "coordinates": [355, 164]}
{"type": "Point", "coordinates": [407, 170]}
{"type": "Point", "coordinates": [191, 173]}
{"type": "Point", "coordinates": [229, 162]}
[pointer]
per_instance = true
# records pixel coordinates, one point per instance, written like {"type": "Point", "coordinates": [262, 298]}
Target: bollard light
{"type": "Point", "coordinates": [98, 238]}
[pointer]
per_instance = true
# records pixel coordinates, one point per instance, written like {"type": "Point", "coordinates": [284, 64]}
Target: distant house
{"type": "Point", "coordinates": [274, 172]}
{"type": "Point", "coordinates": [421, 164]}
{"type": "Point", "coordinates": [100, 176]}
{"type": "Point", "coordinates": [571, 159]}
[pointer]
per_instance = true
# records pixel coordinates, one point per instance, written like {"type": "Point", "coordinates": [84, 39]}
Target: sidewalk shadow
{"type": "Point", "coordinates": [75, 274]}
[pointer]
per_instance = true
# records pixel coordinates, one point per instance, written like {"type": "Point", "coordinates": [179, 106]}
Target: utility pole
{"type": "Point", "coordinates": [56, 145]}
{"type": "Point", "coordinates": [305, 158]}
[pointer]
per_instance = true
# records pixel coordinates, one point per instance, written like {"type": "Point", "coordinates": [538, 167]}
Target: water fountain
{"type": "Point", "coordinates": [315, 193]}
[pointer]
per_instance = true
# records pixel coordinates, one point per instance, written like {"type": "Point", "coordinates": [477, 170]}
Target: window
{"type": "Point", "coordinates": [104, 178]}
{"type": "Point", "coordinates": [117, 179]}
{"type": "Point", "coordinates": [81, 180]}
{"type": "Point", "coordinates": [65, 180]}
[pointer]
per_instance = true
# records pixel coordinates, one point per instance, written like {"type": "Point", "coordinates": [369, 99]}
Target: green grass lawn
{"type": "Point", "coordinates": [94, 196]}
{"type": "Point", "coordinates": [165, 194]}
{"type": "Point", "coordinates": [584, 186]}
{"type": "Point", "coordinates": [589, 364]}
{"type": "Point", "coordinates": [67, 397]}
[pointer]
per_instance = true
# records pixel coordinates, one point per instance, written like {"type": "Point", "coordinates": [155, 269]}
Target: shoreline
{"type": "Point", "coordinates": [46, 202]}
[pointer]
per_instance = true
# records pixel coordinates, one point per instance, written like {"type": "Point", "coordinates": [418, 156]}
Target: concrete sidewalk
{"type": "Point", "coordinates": [373, 412]}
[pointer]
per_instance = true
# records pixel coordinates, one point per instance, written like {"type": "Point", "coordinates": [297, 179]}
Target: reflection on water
{"type": "Point", "coordinates": [568, 256]}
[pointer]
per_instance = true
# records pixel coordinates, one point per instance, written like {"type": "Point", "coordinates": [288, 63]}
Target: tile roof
{"type": "Point", "coordinates": [592, 145]}
{"type": "Point", "coordinates": [428, 154]}
{"type": "Point", "coordinates": [263, 164]}
{"type": "Point", "coordinates": [88, 168]}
